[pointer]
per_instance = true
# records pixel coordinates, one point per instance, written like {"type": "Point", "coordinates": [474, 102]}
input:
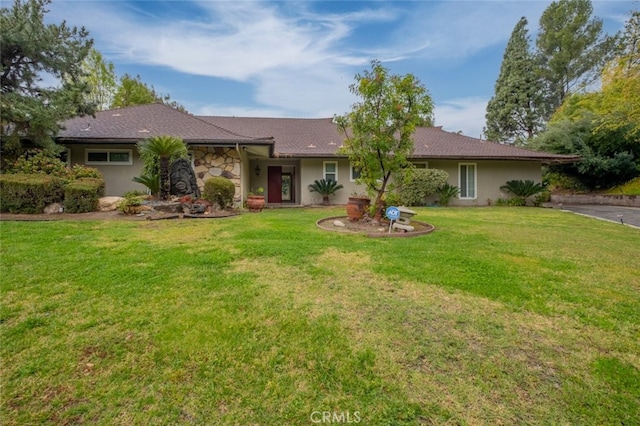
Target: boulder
{"type": "Point", "coordinates": [53, 208]}
{"type": "Point", "coordinates": [109, 204]}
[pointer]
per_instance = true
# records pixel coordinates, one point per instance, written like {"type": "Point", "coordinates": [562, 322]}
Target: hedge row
{"type": "Point", "coordinates": [83, 195]}
{"type": "Point", "coordinates": [31, 193]}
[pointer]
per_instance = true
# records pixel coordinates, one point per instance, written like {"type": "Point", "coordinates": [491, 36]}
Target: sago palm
{"type": "Point", "coordinates": [523, 189]}
{"type": "Point", "coordinates": [325, 188]}
{"type": "Point", "coordinates": [163, 148]}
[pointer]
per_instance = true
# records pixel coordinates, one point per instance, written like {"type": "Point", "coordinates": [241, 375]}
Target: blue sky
{"type": "Point", "coordinates": [298, 58]}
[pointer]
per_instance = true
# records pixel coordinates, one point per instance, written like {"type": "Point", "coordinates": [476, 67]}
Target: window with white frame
{"type": "Point", "coordinates": [467, 180]}
{"type": "Point", "coordinates": [354, 173]}
{"type": "Point", "coordinates": [108, 157]}
{"type": "Point", "coordinates": [330, 170]}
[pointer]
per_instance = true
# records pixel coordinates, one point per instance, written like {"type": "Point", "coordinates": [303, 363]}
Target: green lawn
{"type": "Point", "coordinates": [502, 315]}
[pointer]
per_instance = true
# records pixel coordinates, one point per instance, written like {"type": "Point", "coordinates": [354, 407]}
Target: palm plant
{"type": "Point", "coordinates": [325, 188]}
{"type": "Point", "coordinates": [151, 181]}
{"type": "Point", "coordinates": [523, 189]}
{"type": "Point", "coordinates": [157, 153]}
{"type": "Point", "coordinates": [446, 192]}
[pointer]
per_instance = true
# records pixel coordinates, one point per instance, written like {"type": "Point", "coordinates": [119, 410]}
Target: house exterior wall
{"type": "Point", "coordinates": [490, 176]}
{"type": "Point", "coordinates": [210, 161]}
{"type": "Point", "coordinates": [118, 178]}
{"type": "Point", "coordinates": [313, 169]}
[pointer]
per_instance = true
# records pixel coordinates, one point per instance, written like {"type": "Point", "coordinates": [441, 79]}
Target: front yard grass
{"type": "Point", "coordinates": [502, 315]}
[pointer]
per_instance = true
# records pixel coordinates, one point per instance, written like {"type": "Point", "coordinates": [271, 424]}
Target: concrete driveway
{"type": "Point", "coordinates": [626, 215]}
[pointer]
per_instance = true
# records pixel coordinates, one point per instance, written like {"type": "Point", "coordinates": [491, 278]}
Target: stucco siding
{"type": "Point", "coordinates": [118, 178]}
{"type": "Point", "coordinates": [490, 176]}
{"type": "Point", "coordinates": [312, 169]}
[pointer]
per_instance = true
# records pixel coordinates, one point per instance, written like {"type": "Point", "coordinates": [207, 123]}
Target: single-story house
{"type": "Point", "coordinates": [284, 155]}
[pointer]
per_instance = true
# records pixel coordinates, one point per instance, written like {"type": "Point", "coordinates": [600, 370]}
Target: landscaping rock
{"type": "Point", "coordinates": [109, 204]}
{"type": "Point", "coordinates": [338, 223]}
{"type": "Point", "coordinates": [53, 208]}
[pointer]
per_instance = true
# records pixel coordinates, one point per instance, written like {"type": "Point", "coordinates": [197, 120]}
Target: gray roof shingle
{"type": "Point", "coordinates": [144, 121]}
{"type": "Point", "coordinates": [290, 137]}
{"type": "Point", "coordinates": [319, 137]}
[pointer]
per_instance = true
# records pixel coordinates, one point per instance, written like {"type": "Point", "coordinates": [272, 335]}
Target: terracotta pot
{"type": "Point", "coordinates": [356, 207]}
{"type": "Point", "coordinates": [255, 203]}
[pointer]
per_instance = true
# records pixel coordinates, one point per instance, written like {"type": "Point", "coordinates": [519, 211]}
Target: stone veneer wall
{"type": "Point", "coordinates": [215, 161]}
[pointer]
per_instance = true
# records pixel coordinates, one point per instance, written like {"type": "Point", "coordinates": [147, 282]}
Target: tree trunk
{"type": "Point", "coordinates": [164, 177]}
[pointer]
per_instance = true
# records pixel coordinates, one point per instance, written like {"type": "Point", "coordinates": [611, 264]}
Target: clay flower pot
{"type": "Point", "coordinates": [255, 203]}
{"type": "Point", "coordinates": [356, 207]}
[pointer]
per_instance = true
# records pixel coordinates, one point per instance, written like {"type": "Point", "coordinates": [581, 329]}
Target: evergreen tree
{"type": "Point", "coordinates": [571, 48]}
{"type": "Point", "coordinates": [32, 50]}
{"type": "Point", "coordinates": [513, 113]}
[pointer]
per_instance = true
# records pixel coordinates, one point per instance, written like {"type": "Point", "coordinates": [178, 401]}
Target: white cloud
{"type": "Point", "coordinates": [462, 114]}
{"type": "Point", "coordinates": [452, 29]}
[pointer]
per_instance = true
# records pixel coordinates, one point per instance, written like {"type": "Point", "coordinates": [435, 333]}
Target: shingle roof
{"type": "Point", "coordinates": [144, 121]}
{"type": "Point", "coordinates": [294, 137]}
{"type": "Point", "coordinates": [289, 137]}
{"type": "Point", "coordinates": [303, 137]}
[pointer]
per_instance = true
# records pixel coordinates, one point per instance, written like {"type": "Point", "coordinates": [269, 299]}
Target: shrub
{"type": "Point", "coordinates": [130, 204]}
{"type": "Point", "coordinates": [325, 188]}
{"type": "Point", "coordinates": [151, 181]}
{"type": "Point", "coordinates": [38, 161]}
{"type": "Point", "coordinates": [446, 192]}
{"type": "Point", "coordinates": [29, 193]}
{"type": "Point", "coordinates": [219, 190]}
{"type": "Point", "coordinates": [523, 189]}
{"type": "Point", "coordinates": [83, 195]}
{"type": "Point", "coordinates": [417, 184]}
{"type": "Point", "coordinates": [391, 199]}
{"type": "Point", "coordinates": [81, 172]}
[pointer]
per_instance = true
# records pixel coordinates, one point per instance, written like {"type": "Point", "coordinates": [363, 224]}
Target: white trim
{"type": "Point", "coordinates": [324, 169]}
{"type": "Point", "coordinates": [108, 162]}
{"type": "Point", "coordinates": [475, 181]}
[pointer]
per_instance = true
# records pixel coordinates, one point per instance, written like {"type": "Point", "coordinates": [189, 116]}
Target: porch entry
{"type": "Point", "coordinates": [280, 185]}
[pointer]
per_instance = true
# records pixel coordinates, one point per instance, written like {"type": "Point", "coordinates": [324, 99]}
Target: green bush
{"type": "Point", "coordinates": [81, 172]}
{"type": "Point", "coordinates": [29, 193]}
{"type": "Point", "coordinates": [447, 192]}
{"type": "Point", "coordinates": [37, 161]}
{"type": "Point", "coordinates": [417, 184]}
{"type": "Point", "coordinates": [522, 189]}
{"type": "Point", "coordinates": [83, 195]}
{"type": "Point", "coordinates": [219, 190]}
{"type": "Point", "coordinates": [130, 204]}
{"type": "Point", "coordinates": [151, 181]}
{"type": "Point", "coordinates": [392, 198]}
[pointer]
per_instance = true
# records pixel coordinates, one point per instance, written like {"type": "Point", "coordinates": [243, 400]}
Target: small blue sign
{"type": "Point", "coordinates": [393, 213]}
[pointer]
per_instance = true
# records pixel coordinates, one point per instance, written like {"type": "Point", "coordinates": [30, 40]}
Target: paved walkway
{"type": "Point", "coordinates": [626, 215]}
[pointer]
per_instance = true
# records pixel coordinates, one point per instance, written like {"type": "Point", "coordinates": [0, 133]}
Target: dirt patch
{"type": "Point", "coordinates": [371, 229]}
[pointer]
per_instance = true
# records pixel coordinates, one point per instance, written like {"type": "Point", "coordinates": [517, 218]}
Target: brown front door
{"type": "Point", "coordinates": [274, 184]}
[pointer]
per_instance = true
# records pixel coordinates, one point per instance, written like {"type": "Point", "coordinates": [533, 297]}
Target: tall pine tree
{"type": "Point", "coordinates": [513, 113]}
{"type": "Point", "coordinates": [571, 48]}
{"type": "Point", "coordinates": [31, 51]}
